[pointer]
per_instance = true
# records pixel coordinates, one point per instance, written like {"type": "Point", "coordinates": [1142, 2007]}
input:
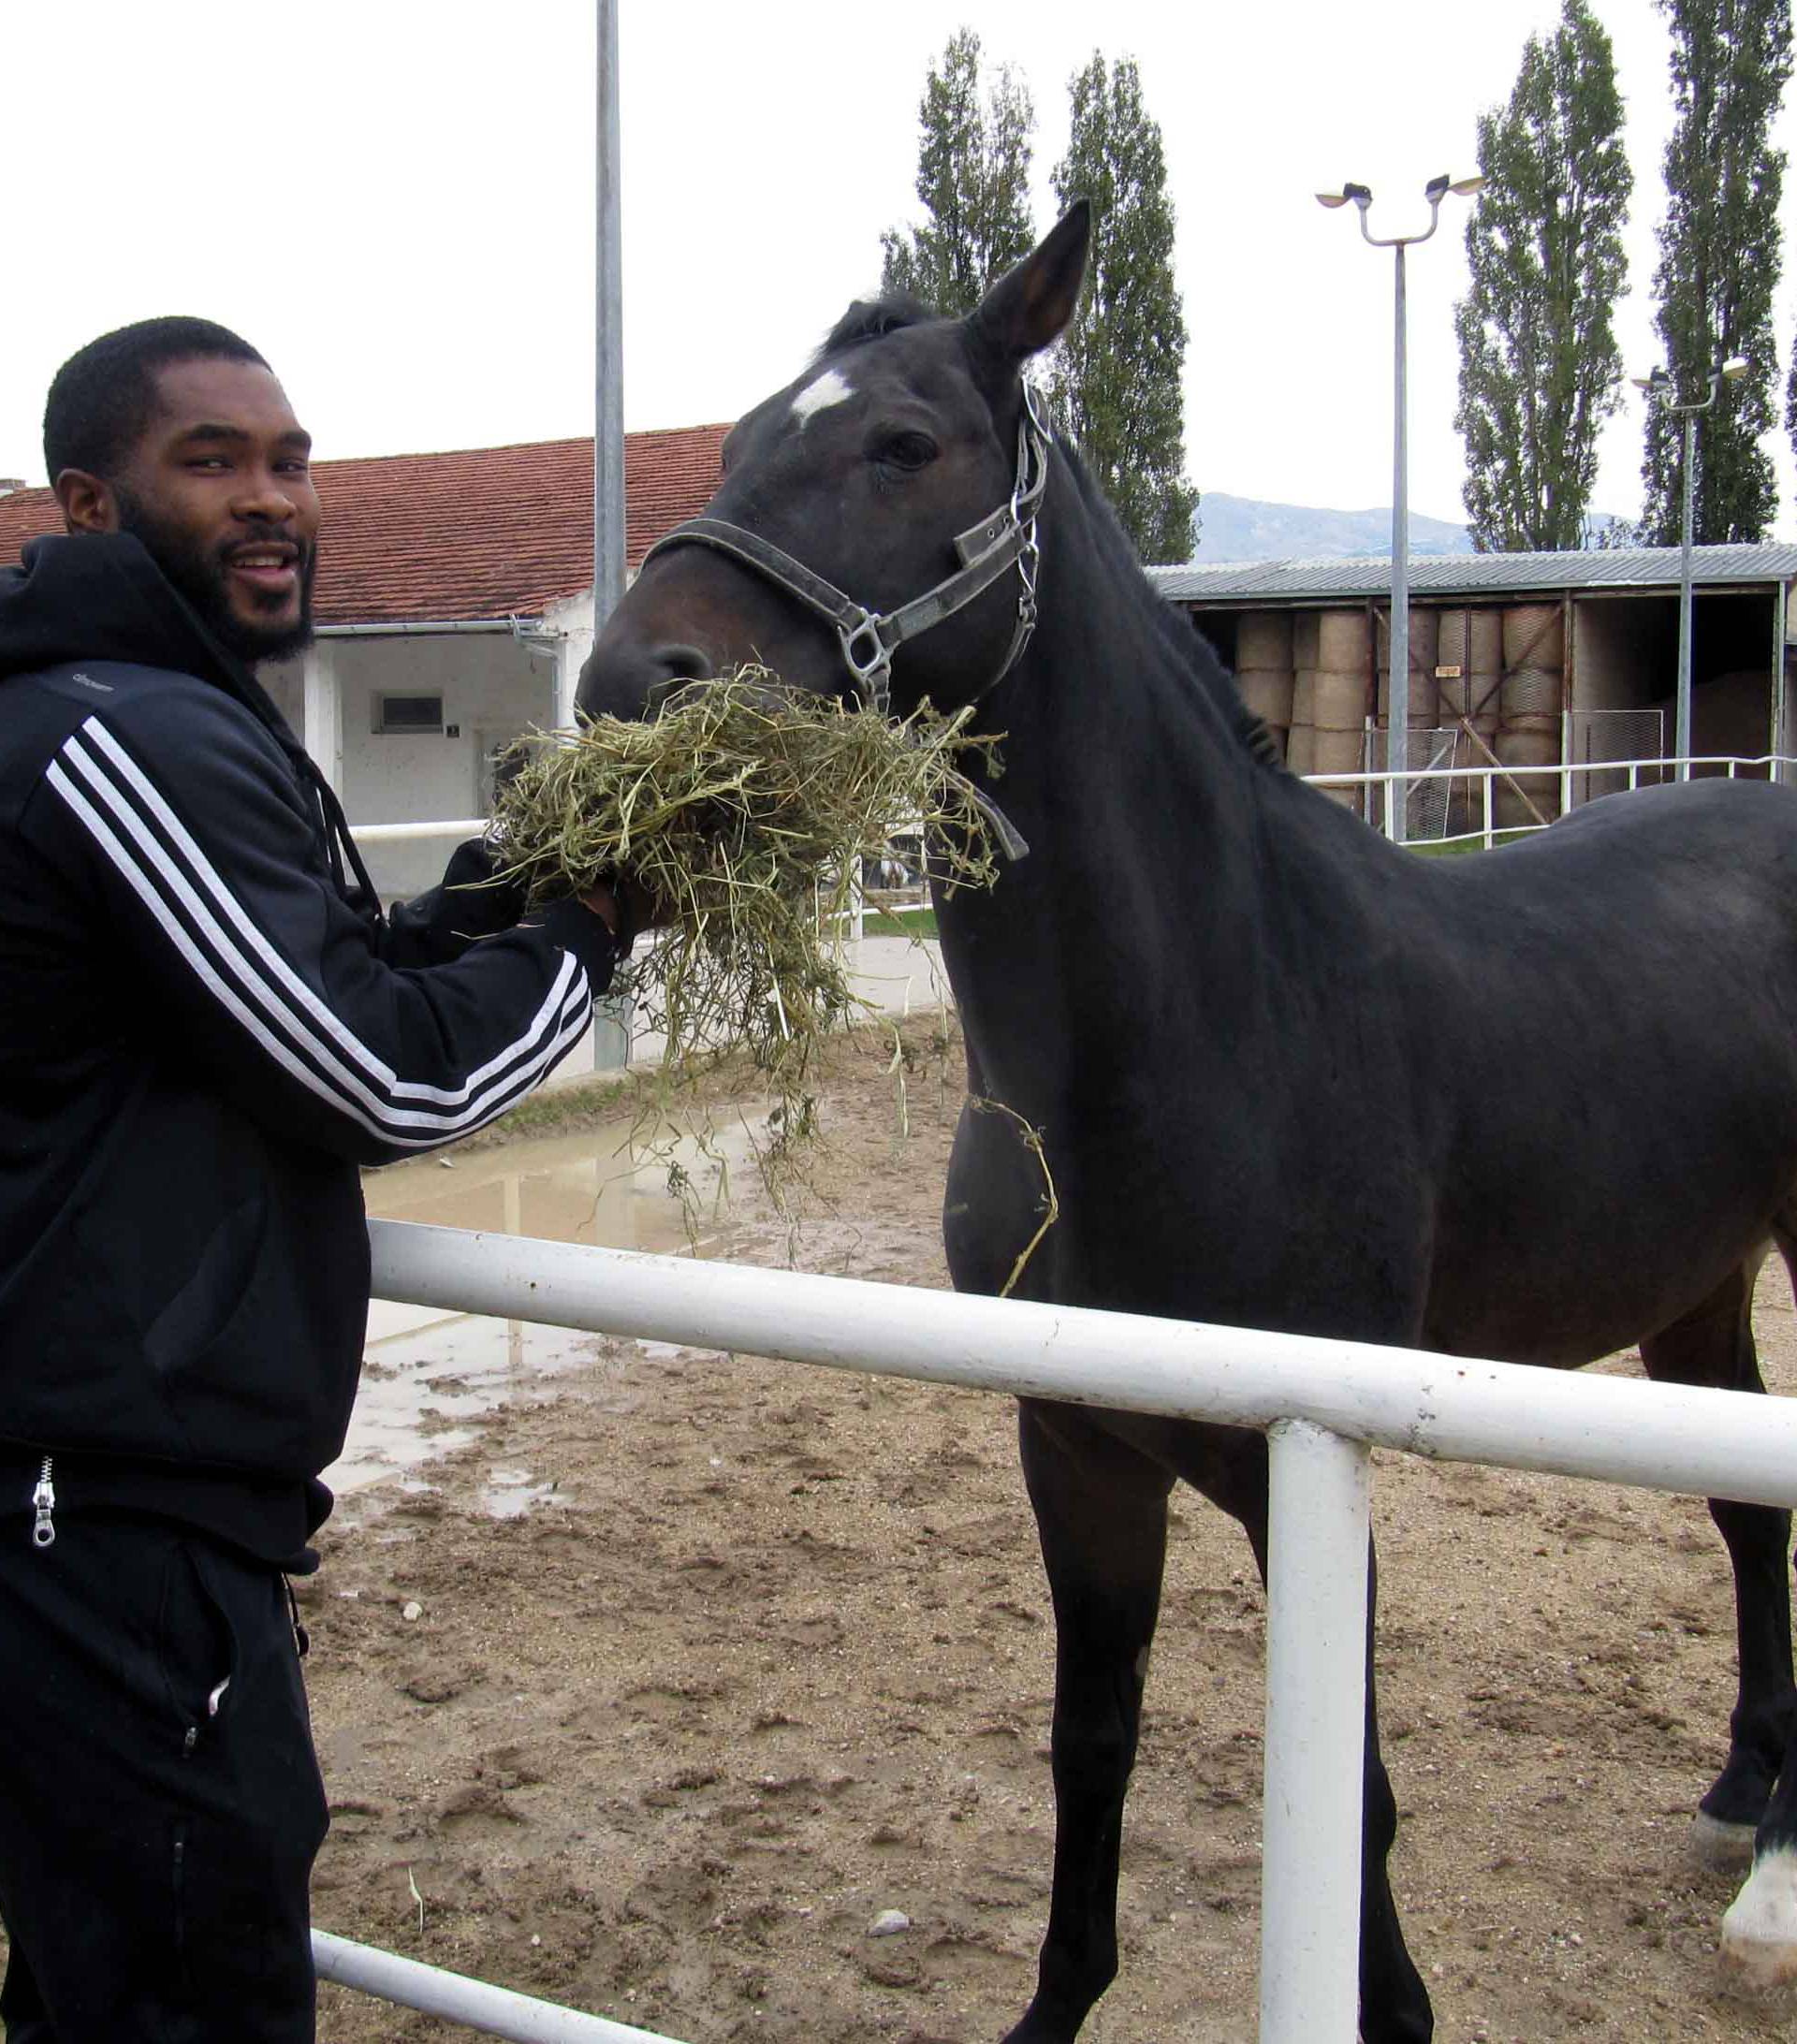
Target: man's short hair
{"type": "Point", "coordinates": [105, 396]}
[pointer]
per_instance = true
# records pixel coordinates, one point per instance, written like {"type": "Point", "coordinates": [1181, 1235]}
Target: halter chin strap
{"type": "Point", "coordinates": [869, 638]}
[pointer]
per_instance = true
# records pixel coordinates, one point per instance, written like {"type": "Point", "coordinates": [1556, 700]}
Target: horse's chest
{"type": "Point", "coordinates": [1201, 1218]}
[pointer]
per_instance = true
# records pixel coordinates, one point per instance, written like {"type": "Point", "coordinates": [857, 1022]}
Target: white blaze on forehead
{"type": "Point", "coordinates": [831, 388]}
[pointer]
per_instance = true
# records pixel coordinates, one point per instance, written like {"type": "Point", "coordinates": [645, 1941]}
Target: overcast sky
{"type": "Point", "coordinates": [394, 201]}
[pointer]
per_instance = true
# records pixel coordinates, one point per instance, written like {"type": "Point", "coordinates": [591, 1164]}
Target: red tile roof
{"type": "Point", "coordinates": [485, 533]}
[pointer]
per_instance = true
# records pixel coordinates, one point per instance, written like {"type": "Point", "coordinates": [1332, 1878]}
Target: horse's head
{"type": "Point", "coordinates": [875, 528]}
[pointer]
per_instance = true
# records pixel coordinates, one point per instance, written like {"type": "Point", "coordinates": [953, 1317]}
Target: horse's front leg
{"type": "Point", "coordinates": [1393, 2002]}
{"type": "Point", "coordinates": [1101, 1516]}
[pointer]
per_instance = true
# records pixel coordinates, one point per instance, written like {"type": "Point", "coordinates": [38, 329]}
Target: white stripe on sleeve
{"type": "Point", "coordinates": [240, 989]}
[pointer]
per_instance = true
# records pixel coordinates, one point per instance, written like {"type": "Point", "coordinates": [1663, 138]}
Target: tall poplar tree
{"type": "Point", "coordinates": [973, 180]}
{"type": "Point", "coordinates": [1117, 377]}
{"type": "Point", "coordinates": [1539, 361]}
{"type": "Point", "coordinates": [1791, 397]}
{"type": "Point", "coordinates": [1718, 263]}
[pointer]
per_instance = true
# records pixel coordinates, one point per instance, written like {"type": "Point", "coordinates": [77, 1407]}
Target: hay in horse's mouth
{"type": "Point", "coordinates": [745, 810]}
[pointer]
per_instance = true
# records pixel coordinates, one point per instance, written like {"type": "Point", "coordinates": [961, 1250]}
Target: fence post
{"type": "Point", "coordinates": [1316, 1710]}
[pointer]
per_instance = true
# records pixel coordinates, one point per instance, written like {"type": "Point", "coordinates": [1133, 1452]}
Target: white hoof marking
{"type": "Point", "coordinates": [1760, 1931]}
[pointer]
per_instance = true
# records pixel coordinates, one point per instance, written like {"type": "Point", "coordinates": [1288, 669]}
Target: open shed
{"type": "Point", "coordinates": [1535, 660]}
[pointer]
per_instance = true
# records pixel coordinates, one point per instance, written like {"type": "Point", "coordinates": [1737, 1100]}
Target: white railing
{"type": "Point", "coordinates": [469, 826]}
{"type": "Point", "coordinates": [1557, 782]}
{"type": "Point", "coordinates": [1323, 1404]}
{"type": "Point", "coordinates": [475, 2004]}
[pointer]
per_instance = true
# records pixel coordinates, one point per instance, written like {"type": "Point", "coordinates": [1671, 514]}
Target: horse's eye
{"type": "Point", "coordinates": [906, 451]}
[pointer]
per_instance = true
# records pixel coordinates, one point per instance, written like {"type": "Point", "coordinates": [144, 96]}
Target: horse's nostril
{"type": "Point", "coordinates": [684, 664]}
{"type": "Point", "coordinates": [677, 665]}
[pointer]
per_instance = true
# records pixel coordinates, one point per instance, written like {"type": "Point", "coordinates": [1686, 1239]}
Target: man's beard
{"type": "Point", "coordinates": [201, 578]}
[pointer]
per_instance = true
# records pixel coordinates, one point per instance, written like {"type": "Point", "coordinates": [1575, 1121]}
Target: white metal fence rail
{"type": "Point", "coordinates": [1323, 1404]}
{"type": "Point", "coordinates": [476, 2004]}
{"type": "Point", "coordinates": [1559, 782]}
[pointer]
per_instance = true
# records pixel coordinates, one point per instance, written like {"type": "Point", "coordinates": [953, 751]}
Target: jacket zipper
{"type": "Point", "coordinates": [43, 1499]}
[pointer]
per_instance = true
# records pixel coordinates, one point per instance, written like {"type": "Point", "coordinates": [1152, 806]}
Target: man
{"type": "Point", "coordinates": [205, 1026]}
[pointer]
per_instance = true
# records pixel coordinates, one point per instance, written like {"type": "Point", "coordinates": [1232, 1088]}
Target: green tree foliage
{"type": "Point", "coordinates": [1539, 361]}
{"type": "Point", "coordinates": [1115, 381]}
{"type": "Point", "coordinates": [973, 180]}
{"type": "Point", "coordinates": [1718, 263]}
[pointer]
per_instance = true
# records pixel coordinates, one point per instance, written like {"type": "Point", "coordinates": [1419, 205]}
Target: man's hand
{"type": "Point", "coordinates": [624, 906]}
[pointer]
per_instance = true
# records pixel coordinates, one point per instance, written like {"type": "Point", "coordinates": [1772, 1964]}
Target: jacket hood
{"type": "Point", "coordinates": [101, 597]}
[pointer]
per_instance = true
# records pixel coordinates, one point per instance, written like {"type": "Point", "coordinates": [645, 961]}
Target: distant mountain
{"type": "Point", "coordinates": [1246, 529]}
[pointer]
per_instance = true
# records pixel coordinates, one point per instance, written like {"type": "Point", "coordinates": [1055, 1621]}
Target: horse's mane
{"type": "Point", "coordinates": [1187, 645]}
{"type": "Point", "coordinates": [869, 319]}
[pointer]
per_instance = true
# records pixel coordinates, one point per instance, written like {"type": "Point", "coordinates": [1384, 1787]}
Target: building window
{"type": "Point", "coordinates": [408, 713]}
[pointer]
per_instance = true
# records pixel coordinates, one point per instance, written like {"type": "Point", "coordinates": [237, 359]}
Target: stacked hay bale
{"type": "Point", "coordinates": [1425, 809]}
{"type": "Point", "coordinates": [1339, 696]}
{"type": "Point", "coordinates": [1301, 746]}
{"type": "Point", "coordinates": [1425, 628]}
{"type": "Point", "coordinates": [1471, 640]}
{"type": "Point", "coordinates": [1263, 670]}
{"type": "Point", "coordinates": [1528, 730]}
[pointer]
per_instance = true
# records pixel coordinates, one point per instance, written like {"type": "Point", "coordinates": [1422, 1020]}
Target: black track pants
{"type": "Point", "coordinates": [156, 1830]}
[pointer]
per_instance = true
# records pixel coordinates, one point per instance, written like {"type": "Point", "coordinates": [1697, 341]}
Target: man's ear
{"type": "Point", "coordinates": [89, 504]}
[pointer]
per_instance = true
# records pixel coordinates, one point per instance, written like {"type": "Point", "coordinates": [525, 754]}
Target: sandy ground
{"type": "Point", "coordinates": [653, 1693]}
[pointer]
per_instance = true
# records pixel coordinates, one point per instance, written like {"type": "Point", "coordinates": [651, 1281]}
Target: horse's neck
{"type": "Point", "coordinates": [1115, 739]}
{"type": "Point", "coordinates": [1138, 798]}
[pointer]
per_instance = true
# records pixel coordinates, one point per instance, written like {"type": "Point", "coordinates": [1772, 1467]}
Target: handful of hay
{"type": "Point", "coordinates": [744, 809]}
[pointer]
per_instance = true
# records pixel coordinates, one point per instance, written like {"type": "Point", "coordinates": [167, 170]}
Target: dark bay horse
{"type": "Point", "coordinates": [1536, 1104]}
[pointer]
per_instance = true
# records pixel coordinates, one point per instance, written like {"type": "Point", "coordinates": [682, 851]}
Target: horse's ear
{"type": "Point", "coordinates": [1029, 305]}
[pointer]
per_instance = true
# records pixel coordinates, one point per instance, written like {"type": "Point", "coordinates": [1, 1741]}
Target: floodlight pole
{"type": "Point", "coordinates": [1397, 720]}
{"type": "Point", "coordinates": [1661, 388]}
{"type": "Point", "coordinates": [609, 417]}
{"type": "Point", "coordinates": [1681, 712]}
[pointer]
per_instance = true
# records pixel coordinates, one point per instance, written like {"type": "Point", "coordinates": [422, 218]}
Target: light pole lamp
{"type": "Point", "coordinates": [1665, 391]}
{"type": "Point", "coordinates": [1397, 746]}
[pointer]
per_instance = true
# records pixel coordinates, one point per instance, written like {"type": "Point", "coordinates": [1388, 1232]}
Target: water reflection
{"type": "Point", "coordinates": [582, 1187]}
{"type": "Point", "coordinates": [426, 1375]}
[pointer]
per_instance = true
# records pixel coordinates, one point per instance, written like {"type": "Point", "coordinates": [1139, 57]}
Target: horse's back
{"type": "Point", "coordinates": [1578, 1106]}
{"type": "Point", "coordinates": [1686, 842]}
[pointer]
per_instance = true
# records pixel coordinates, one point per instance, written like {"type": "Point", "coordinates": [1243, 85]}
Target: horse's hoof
{"type": "Point", "coordinates": [1723, 1846]}
{"type": "Point", "coordinates": [1760, 1931]}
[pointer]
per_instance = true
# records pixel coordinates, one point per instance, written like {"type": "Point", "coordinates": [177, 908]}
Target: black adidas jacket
{"type": "Point", "coordinates": [206, 1027]}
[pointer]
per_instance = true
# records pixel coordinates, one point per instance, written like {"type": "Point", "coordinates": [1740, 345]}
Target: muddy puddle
{"type": "Point", "coordinates": [429, 1377]}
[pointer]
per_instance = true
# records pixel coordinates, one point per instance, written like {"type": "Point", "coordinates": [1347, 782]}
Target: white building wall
{"type": "Point", "coordinates": [285, 684]}
{"type": "Point", "coordinates": [493, 686]}
{"type": "Point", "coordinates": [571, 624]}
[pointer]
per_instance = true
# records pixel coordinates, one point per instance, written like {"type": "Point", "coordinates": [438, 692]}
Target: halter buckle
{"type": "Point", "coordinates": [873, 666]}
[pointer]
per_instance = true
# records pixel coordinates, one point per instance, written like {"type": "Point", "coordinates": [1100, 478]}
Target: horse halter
{"type": "Point", "coordinates": [869, 638]}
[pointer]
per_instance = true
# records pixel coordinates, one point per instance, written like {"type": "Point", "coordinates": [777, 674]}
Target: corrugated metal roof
{"type": "Point", "coordinates": [1474, 574]}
